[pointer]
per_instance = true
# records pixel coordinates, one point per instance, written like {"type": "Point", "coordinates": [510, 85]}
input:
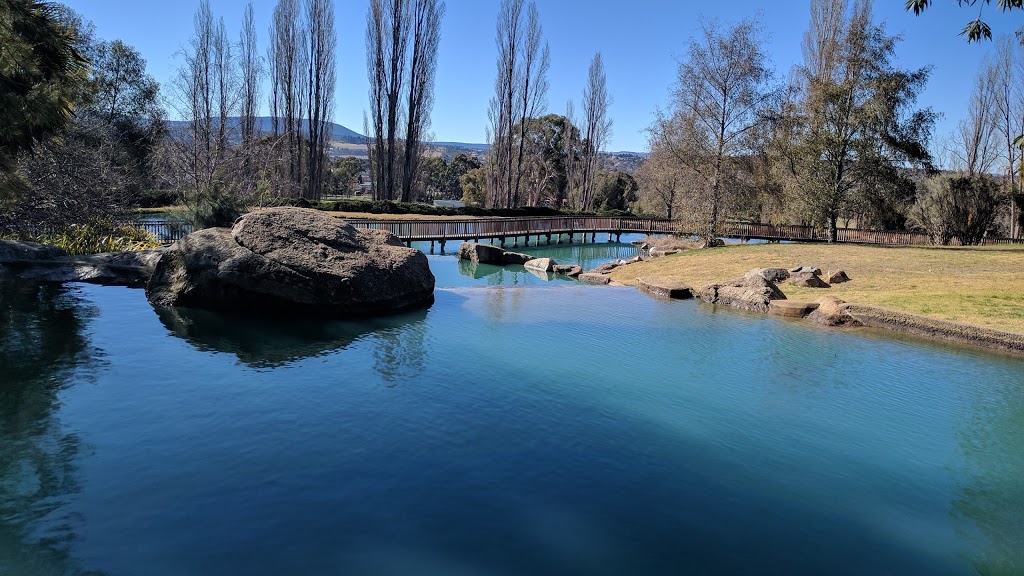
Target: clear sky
{"type": "Point", "coordinates": [640, 41]}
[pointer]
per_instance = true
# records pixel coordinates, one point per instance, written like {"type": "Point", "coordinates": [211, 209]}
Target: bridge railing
{"type": "Point", "coordinates": [485, 228]}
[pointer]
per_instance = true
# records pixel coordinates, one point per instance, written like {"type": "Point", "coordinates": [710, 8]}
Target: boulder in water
{"type": "Point", "coordinates": [286, 261]}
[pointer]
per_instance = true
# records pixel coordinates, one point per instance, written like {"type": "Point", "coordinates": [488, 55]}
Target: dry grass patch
{"type": "Point", "coordinates": [978, 286]}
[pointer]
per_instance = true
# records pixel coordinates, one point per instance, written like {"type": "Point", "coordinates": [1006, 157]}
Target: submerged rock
{"type": "Point", "coordinates": [570, 270]}
{"type": "Point", "coordinates": [283, 261]}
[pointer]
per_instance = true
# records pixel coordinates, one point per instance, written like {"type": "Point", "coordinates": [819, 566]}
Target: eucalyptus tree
{"type": "Point", "coordinates": [850, 130]}
{"type": "Point", "coordinates": [723, 85]}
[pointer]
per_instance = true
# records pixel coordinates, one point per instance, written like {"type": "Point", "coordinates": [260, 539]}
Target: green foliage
{"type": "Point", "coordinates": [216, 208]}
{"type": "Point", "coordinates": [616, 192]}
{"type": "Point", "coordinates": [40, 73]}
{"type": "Point", "coordinates": [976, 29]}
{"type": "Point", "coordinates": [959, 207]}
{"type": "Point", "coordinates": [345, 174]}
{"type": "Point", "coordinates": [96, 238]}
{"type": "Point", "coordinates": [474, 187]}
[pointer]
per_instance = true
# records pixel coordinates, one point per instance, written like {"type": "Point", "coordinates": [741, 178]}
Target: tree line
{"type": "Point", "coordinates": [841, 143]}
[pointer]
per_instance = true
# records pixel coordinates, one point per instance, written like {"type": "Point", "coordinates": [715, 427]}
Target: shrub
{"type": "Point", "coordinates": [95, 238]}
{"type": "Point", "coordinates": [961, 207]}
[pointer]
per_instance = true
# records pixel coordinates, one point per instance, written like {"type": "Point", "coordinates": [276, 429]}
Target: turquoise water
{"type": "Point", "coordinates": [515, 427]}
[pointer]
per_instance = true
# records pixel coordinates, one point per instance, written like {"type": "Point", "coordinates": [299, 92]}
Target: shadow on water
{"type": "Point", "coordinates": [43, 347]}
{"type": "Point", "coordinates": [270, 343]}
{"type": "Point", "coordinates": [988, 507]}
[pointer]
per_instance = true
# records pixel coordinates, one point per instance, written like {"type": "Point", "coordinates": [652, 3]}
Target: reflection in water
{"type": "Point", "coordinates": [42, 346]}
{"type": "Point", "coordinates": [269, 343]}
{"type": "Point", "coordinates": [990, 440]}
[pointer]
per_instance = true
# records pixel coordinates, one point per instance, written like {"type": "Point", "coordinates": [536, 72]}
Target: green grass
{"type": "Point", "coordinates": [981, 286]}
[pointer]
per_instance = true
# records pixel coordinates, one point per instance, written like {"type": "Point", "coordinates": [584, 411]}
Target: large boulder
{"type": "Point", "coordinates": [482, 253]}
{"type": "Point", "coordinates": [286, 261]}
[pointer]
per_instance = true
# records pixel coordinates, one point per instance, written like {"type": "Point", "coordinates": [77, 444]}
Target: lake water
{"type": "Point", "coordinates": [518, 426]}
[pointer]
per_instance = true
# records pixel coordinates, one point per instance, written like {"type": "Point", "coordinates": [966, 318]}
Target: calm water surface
{"type": "Point", "coordinates": [518, 426]}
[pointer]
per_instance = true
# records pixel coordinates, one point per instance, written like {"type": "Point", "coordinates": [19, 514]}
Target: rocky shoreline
{"type": "Point", "coordinates": [756, 291]}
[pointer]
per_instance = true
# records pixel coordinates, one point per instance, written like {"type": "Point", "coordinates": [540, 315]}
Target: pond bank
{"type": "Point", "coordinates": [964, 295]}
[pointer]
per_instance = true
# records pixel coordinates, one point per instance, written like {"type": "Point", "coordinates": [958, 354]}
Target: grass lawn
{"type": "Point", "coordinates": [981, 286]}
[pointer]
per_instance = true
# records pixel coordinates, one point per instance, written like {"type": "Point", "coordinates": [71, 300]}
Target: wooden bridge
{"type": "Point", "coordinates": [560, 229]}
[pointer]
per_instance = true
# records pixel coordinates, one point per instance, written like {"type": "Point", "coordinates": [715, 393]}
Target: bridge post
{"type": "Point", "coordinates": [502, 240]}
{"type": "Point", "coordinates": [549, 238]}
{"type": "Point", "coordinates": [515, 242]}
{"type": "Point", "coordinates": [618, 238]}
{"type": "Point", "coordinates": [593, 237]}
{"type": "Point", "coordinates": [526, 240]}
{"type": "Point", "coordinates": [431, 246]}
{"type": "Point", "coordinates": [408, 243]}
{"type": "Point", "coordinates": [442, 245]}
{"type": "Point", "coordinates": [610, 237]}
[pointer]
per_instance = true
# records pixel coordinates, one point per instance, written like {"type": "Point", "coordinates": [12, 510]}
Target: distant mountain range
{"type": "Point", "coordinates": [346, 139]}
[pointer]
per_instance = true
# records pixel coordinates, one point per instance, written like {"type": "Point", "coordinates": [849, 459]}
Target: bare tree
{"type": "Point", "coordinates": [520, 94]}
{"type": "Point", "coordinates": [386, 38]}
{"type": "Point", "coordinates": [251, 76]}
{"type": "Point", "coordinates": [192, 98]}
{"type": "Point", "coordinates": [597, 126]}
{"type": "Point", "coordinates": [721, 90]}
{"type": "Point", "coordinates": [402, 39]}
{"type": "Point", "coordinates": [224, 86]}
{"type": "Point", "coordinates": [1010, 89]}
{"type": "Point", "coordinates": [976, 148]}
{"type": "Point", "coordinates": [426, 38]}
{"type": "Point", "coordinates": [320, 85]}
{"type": "Point", "coordinates": [288, 55]}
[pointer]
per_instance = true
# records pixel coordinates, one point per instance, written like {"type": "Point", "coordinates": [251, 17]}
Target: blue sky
{"type": "Point", "coordinates": [639, 39]}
